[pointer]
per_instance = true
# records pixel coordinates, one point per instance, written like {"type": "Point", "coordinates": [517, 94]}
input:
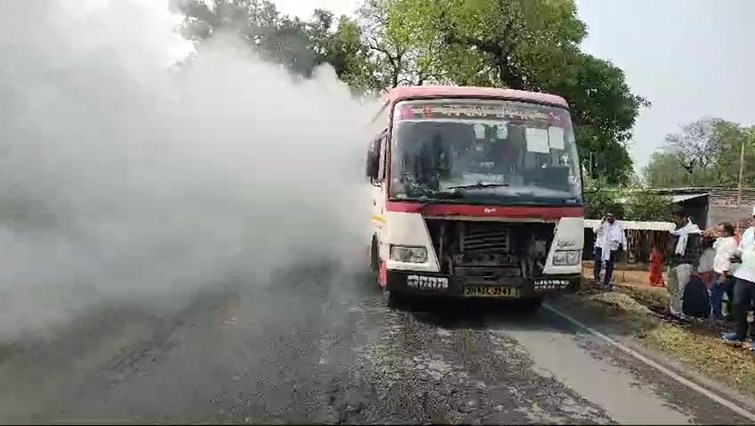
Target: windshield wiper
{"type": "Point", "coordinates": [439, 198]}
{"type": "Point", "coordinates": [478, 185]}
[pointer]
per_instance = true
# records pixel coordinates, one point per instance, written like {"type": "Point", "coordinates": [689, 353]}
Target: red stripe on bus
{"type": "Point", "coordinates": [518, 212]}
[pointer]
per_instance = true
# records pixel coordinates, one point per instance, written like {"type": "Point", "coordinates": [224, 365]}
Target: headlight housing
{"type": "Point", "coordinates": [408, 254]}
{"type": "Point", "coordinates": [567, 257]}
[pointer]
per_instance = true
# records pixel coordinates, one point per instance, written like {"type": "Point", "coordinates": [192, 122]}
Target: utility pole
{"type": "Point", "coordinates": [741, 169]}
{"type": "Point", "coordinates": [749, 133]}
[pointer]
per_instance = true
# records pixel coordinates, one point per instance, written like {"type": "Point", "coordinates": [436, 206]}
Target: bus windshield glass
{"type": "Point", "coordinates": [484, 151]}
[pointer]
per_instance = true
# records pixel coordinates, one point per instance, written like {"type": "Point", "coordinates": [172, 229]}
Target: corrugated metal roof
{"type": "Point", "coordinates": [684, 197]}
{"type": "Point", "coordinates": [637, 226]}
{"type": "Point", "coordinates": [682, 190]}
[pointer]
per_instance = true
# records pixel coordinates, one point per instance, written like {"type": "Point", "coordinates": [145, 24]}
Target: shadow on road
{"type": "Point", "coordinates": [476, 314]}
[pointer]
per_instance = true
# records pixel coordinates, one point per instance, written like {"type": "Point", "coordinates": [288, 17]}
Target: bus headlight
{"type": "Point", "coordinates": [408, 254]}
{"type": "Point", "coordinates": [567, 257]}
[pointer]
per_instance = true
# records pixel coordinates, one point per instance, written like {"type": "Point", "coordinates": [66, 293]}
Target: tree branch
{"type": "Point", "coordinates": [500, 49]}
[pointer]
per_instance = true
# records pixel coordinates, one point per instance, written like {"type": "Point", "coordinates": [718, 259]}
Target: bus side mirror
{"type": "Point", "coordinates": [373, 162]}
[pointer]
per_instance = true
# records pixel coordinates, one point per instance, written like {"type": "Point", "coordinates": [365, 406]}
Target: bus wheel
{"type": "Point", "coordinates": [374, 262]}
{"type": "Point", "coordinates": [392, 299]}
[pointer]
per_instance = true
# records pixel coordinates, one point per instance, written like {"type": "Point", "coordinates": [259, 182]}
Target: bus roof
{"type": "Point", "coordinates": [414, 92]}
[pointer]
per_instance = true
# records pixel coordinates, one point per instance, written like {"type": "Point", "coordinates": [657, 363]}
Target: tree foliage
{"type": "Point", "coordinates": [703, 153]}
{"type": "Point", "coordinates": [731, 139]}
{"type": "Point", "coordinates": [604, 111]}
{"type": "Point", "coordinates": [696, 145]}
{"type": "Point", "coordinates": [517, 43]}
{"type": "Point", "coordinates": [601, 202]}
{"type": "Point", "coordinates": [291, 42]}
{"type": "Point", "coordinates": [636, 204]}
{"type": "Point", "coordinates": [643, 205]}
{"type": "Point", "coordinates": [527, 45]}
{"type": "Point", "coordinates": [520, 44]}
{"type": "Point", "coordinates": [399, 59]}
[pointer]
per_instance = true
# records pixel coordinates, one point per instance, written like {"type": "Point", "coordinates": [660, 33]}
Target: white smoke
{"type": "Point", "coordinates": [122, 182]}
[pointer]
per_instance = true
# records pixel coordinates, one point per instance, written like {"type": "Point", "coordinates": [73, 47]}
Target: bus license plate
{"type": "Point", "coordinates": [490, 291]}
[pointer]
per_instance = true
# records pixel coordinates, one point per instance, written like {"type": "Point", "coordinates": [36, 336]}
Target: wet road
{"type": "Point", "coordinates": [325, 349]}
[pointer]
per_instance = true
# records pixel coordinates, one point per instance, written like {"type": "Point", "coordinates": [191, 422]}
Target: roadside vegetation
{"type": "Point", "coordinates": [638, 310]}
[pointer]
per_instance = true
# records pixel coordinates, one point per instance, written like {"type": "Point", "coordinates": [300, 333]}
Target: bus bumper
{"type": "Point", "coordinates": [428, 284]}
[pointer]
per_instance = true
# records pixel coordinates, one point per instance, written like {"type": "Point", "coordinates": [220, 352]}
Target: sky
{"type": "Point", "coordinates": [690, 58]}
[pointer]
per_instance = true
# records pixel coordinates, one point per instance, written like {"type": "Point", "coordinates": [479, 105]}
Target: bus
{"type": "Point", "coordinates": [476, 193]}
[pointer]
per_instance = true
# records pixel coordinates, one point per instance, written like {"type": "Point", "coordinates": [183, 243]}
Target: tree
{"type": "Point", "coordinates": [349, 56]}
{"type": "Point", "coordinates": [399, 57]}
{"type": "Point", "coordinates": [518, 39]}
{"type": "Point", "coordinates": [298, 45]}
{"type": "Point", "coordinates": [665, 171]}
{"type": "Point", "coordinates": [704, 153]}
{"type": "Point", "coordinates": [277, 38]}
{"type": "Point", "coordinates": [638, 204]}
{"type": "Point", "coordinates": [730, 138]}
{"type": "Point", "coordinates": [601, 202]}
{"type": "Point", "coordinates": [696, 146]}
{"type": "Point", "coordinates": [604, 111]}
{"type": "Point", "coordinates": [644, 205]}
{"type": "Point", "coordinates": [528, 45]}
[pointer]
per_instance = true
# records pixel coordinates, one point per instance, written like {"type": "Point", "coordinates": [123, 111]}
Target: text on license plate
{"type": "Point", "coordinates": [490, 291]}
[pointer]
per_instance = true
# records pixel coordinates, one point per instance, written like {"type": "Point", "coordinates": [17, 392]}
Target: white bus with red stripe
{"type": "Point", "coordinates": [476, 193]}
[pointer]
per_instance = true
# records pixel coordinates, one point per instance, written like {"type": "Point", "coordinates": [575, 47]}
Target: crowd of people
{"type": "Point", "coordinates": [708, 273]}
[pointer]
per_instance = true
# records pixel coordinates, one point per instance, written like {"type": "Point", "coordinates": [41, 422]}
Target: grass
{"type": "Point", "coordinates": [640, 308]}
{"type": "Point", "coordinates": [727, 364]}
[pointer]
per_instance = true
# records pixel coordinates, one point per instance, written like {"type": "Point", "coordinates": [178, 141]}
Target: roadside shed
{"type": "Point", "coordinates": [712, 205]}
{"type": "Point", "coordinates": [642, 237]}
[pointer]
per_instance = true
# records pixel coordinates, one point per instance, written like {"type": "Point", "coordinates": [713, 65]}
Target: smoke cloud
{"type": "Point", "coordinates": [123, 180]}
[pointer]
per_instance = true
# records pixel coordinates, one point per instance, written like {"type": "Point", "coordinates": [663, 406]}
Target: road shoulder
{"type": "Point", "coordinates": [691, 351]}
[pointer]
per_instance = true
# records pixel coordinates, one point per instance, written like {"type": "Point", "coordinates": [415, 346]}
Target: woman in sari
{"type": "Point", "coordinates": [656, 268]}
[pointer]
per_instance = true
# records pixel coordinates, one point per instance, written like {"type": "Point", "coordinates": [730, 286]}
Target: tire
{"type": "Point", "coordinates": [374, 255]}
{"type": "Point", "coordinates": [394, 300]}
{"type": "Point", "coordinates": [390, 298]}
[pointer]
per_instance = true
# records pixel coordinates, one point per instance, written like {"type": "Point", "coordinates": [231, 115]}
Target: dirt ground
{"type": "Point", "coordinates": [623, 275]}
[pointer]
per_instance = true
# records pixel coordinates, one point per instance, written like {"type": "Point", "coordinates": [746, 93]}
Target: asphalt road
{"type": "Point", "coordinates": [320, 346]}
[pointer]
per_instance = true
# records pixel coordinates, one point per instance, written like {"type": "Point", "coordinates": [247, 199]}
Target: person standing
{"type": "Point", "coordinates": [725, 246]}
{"type": "Point", "coordinates": [609, 239]}
{"type": "Point", "coordinates": [744, 288]}
{"type": "Point", "coordinates": [685, 248]}
{"type": "Point", "coordinates": [656, 268]}
{"type": "Point", "coordinates": [697, 292]}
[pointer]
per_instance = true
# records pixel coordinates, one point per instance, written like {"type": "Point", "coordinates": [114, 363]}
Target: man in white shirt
{"type": "Point", "coordinates": [609, 239]}
{"type": "Point", "coordinates": [744, 289]}
{"type": "Point", "coordinates": [725, 247]}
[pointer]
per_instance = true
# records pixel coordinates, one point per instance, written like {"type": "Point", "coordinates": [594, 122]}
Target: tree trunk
{"type": "Point", "coordinates": [507, 76]}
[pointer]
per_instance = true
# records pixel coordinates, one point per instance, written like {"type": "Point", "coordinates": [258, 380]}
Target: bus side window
{"type": "Point", "coordinates": [382, 146]}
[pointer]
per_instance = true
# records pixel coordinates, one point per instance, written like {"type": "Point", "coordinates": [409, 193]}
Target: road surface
{"type": "Point", "coordinates": [320, 346]}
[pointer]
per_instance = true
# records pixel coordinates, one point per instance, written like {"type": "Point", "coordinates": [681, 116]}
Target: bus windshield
{"type": "Point", "coordinates": [484, 151]}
